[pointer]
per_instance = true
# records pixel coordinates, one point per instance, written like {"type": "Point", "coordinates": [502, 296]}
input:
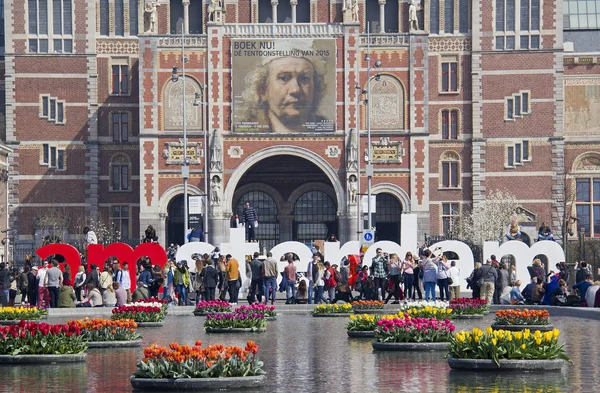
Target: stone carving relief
{"type": "Point", "coordinates": [387, 152]}
{"type": "Point", "coordinates": [588, 162]}
{"type": "Point", "coordinates": [173, 107]}
{"type": "Point", "coordinates": [387, 108]}
{"type": "Point", "coordinates": [332, 151]}
{"type": "Point", "coordinates": [350, 11]}
{"type": "Point", "coordinates": [215, 190]}
{"type": "Point", "coordinates": [216, 152]}
{"type": "Point", "coordinates": [235, 152]}
{"type": "Point", "coordinates": [413, 14]}
{"type": "Point", "coordinates": [352, 152]}
{"type": "Point", "coordinates": [352, 190]}
{"type": "Point", "coordinates": [215, 11]}
{"type": "Point", "coordinates": [151, 17]}
{"type": "Point", "coordinates": [524, 215]}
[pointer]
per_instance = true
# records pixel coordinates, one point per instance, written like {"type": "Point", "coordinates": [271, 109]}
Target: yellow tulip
{"type": "Point", "coordinates": [489, 330]}
{"type": "Point", "coordinates": [518, 335]}
{"type": "Point", "coordinates": [555, 333]}
{"type": "Point", "coordinates": [494, 341]}
{"type": "Point", "coordinates": [538, 341]}
{"type": "Point", "coordinates": [523, 346]}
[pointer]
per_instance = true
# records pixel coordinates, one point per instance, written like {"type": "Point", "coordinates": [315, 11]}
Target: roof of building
{"type": "Point", "coordinates": [583, 40]}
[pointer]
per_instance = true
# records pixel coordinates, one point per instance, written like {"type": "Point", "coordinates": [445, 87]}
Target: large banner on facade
{"type": "Point", "coordinates": [283, 85]}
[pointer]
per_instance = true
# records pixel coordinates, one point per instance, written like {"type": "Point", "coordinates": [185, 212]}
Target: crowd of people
{"type": "Point", "coordinates": [498, 284]}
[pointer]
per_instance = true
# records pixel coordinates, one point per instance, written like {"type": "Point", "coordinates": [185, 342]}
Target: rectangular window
{"type": "Point", "coordinates": [445, 125]}
{"type": "Point", "coordinates": [32, 14]}
{"type": "Point", "coordinates": [446, 174]}
{"type": "Point", "coordinates": [119, 18]}
{"type": "Point", "coordinates": [104, 17]}
{"type": "Point", "coordinates": [62, 24]}
{"type": "Point", "coordinates": [511, 156]}
{"type": "Point", "coordinates": [52, 110]}
{"type": "Point", "coordinates": [535, 14]}
{"type": "Point", "coordinates": [525, 102]}
{"type": "Point", "coordinates": [116, 127]}
{"type": "Point", "coordinates": [518, 153]}
{"type": "Point", "coordinates": [60, 164]}
{"type": "Point", "coordinates": [120, 221]}
{"type": "Point", "coordinates": [116, 177]}
{"type": "Point", "coordinates": [535, 42]}
{"type": "Point", "coordinates": [67, 17]}
{"type": "Point", "coordinates": [53, 157]}
{"type": "Point", "coordinates": [517, 106]}
{"type": "Point", "coordinates": [510, 15]}
{"type": "Point", "coordinates": [450, 174]}
{"type": "Point", "coordinates": [45, 106]}
{"type": "Point", "coordinates": [454, 125]}
{"type": "Point", "coordinates": [449, 16]}
{"type": "Point", "coordinates": [596, 190]}
{"type": "Point", "coordinates": [450, 214]}
{"type": "Point", "coordinates": [500, 42]}
{"type": "Point", "coordinates": [124, 127]}
{"type": "Point", "coordinates": [57, 16]}
{"type": "Point", "coordinates": [524, 14]}
{"type": "Point", "coordinates": [60, 112]}
{"type": "Point", "coordinates": [120, 79]}
{"type": "Point", "coordinates": [509, 109]}
{"type": "Point", "coordinates": [449, 76]}
{"type": "Point", "coordinates": [596, 220]}
{"type": "Point", "coordinates": [583, 214]}
{"type": "Point", "coordinates": [124, 177]}
{"type": "Point", "coordinates": [510, 42]}
{"type": "Point", "coordinates": [500, 17]}
{"type": "Point", "coordinates": [524, 42]}
{"type": "Point", "coordinates": [463, 16]}
{"type": "Point", "coordinates": [525, 150]}
{"type": "Point", "coordinates": [434, 17]}
{"type": "Point", "coordinates": [583, 190]}
{"type": "Point", "coordinates": [120, 126]}
{"type": "Point", "coordinates": [454, 174]}
{"type": "Point", "coordinates": [45, 153]}
{"type": "Point", "coordinates": [133, 17]}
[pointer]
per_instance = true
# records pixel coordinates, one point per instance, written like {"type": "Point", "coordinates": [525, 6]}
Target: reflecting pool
{"type": "Point", "coordinates": [306, 354]}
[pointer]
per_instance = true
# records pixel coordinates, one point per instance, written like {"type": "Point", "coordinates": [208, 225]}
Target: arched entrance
{"type": "Point", "coordinates": [293, 198]}
{"type": "Point", "coordinates": [175, 220]}
{"type": "Point", "coordinates": [314, 217]}
{"type": "Point", "coordinates": [388, 216]}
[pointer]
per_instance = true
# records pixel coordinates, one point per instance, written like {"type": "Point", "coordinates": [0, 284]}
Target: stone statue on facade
{"type": "Point", "coordinates": [350, 11]}
{"type": "Point", "coordinates": [151, 15]}
{"type": "Point", "coordinates": [215, 190]}
{"type": "Point", "coordinates": [352, 153]}
{"type": "Point", "coordinates": [216, 152]}
{"type": "Point", "coordinates": [413, 19]}
{"type": "Point", "coordinates": [352, 190]}
{"type": "Point", "coordinates": [215, 11]}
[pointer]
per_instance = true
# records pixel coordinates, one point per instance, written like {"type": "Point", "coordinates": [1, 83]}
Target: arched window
{"type": "Point", "coordinates": [120, 173]}
{"type": "Point", "coordinates": [586, 171]}
{"type": "Point", "coordinates": [387, 109]}
{"type": "Point", "coordinates": [267, 232]}
{"type": "Point", "coordinates": [315, 217]}
{"type": "Point", "coordinates": [265, 11]}
{"type": "Point", "coordinates": [388, 213]}
{"type": "Point", "coordinates": [450, 170]}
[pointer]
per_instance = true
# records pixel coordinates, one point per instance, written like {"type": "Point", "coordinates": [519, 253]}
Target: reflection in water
{"type": "Point", "coordinates": [305, 354]}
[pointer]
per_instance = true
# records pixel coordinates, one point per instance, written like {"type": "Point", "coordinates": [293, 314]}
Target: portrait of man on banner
{"type": "Point", "coordinates": [284, 86]}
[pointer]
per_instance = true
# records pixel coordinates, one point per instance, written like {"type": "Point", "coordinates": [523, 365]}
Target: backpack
{"type": "Point", "coordinates": [330, 282]}
{"type": "Point", "coordinates": [337, 276]}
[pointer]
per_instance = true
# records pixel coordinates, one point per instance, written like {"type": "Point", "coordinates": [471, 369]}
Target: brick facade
{"type": "Point", "coordinates": [485, 80]}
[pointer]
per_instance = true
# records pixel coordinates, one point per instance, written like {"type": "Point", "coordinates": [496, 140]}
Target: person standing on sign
{"type": "Point", "coordinates": [250, 221]}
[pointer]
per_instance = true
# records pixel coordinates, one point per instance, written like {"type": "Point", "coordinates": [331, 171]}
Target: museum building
{"type": "Point", "coordinates": [458, 99]}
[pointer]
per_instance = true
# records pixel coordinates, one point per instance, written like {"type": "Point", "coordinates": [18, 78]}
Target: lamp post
{"type": "Point", "coordinates": [185, 169]}
{"type": "Point", "coordinates": [369, 166]}
{"type": "Point", "coordinates": [359, 92]}
{"type": "Point", "coordinates": [197, 98]}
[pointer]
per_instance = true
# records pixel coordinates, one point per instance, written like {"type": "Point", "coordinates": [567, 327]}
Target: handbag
{"type": "Point", "coordinates": [450, 281]}
{"type": "Point", "coordinates": [255, 224]}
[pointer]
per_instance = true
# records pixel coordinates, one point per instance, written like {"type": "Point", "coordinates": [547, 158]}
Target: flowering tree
{"type": "Point", "coordinates": [488, 219]}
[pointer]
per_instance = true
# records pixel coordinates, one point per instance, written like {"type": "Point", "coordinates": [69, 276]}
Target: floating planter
{"type": "Point", "coordinates": [104, 333]}
{"type": "Point", "coordinates": [506, 350]}
{"type": "Point", "coordinates": [332, 310]}
{"type": "Point", "coordinates": [30, 342]}
{"type": "Point", "coordinates": [153, 301]}
{"type": "Point", "coordinates": [12, 315]}
{"type": "Point", "coordinates": [140, 314]}
{"type": "Point", "coordinates": [515, 320]}
{"type": "Point", "coordinates": [215, 367]}
{"type": "Point", "coordinates": [259, 308]}
{"type": "Point", "coordinates": [469, 308]}
{"type": "Point", "coordinates": [362, 326]}
{"type": "Point", "coordinates": [368, 307]}
{"type": "Point", "coordinates": [412, 334]}
{"type": "Point", "coordinates": [204, 308]}
{"type": "Point", "coordinates": [437, 310]}
{"type": "Point", "coordinates": [237, 322]}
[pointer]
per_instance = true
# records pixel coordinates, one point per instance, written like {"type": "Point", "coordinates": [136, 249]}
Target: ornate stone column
{"type": "Point", "coordinates": [186, 16]}
{"type": "Point", "coordinates": [294, 3]}
{"type": "Point", "coordinates": [274, 4]}
{"type": "Point", "coordinates": [382, 16]}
